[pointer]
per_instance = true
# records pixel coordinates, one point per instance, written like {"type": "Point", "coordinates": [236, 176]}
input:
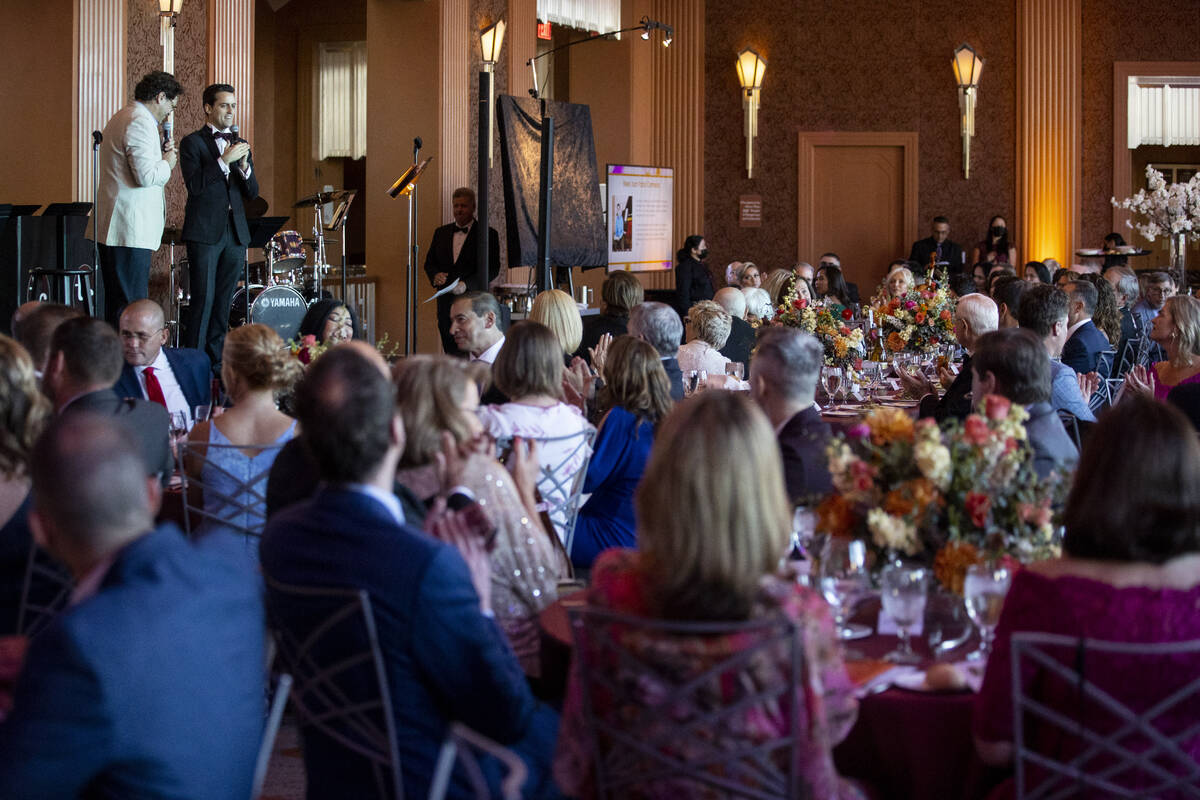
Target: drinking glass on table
{"type": "Point", "coordinates": [179, 425]}
{"type": "Point", "coordinates": [737, 369]}
{"type": "Point", "coordinates": [844, 581]}
{"type": "Point", "coordinates": [984, 590]}
{"type": "Point", "coordinates": [690, 381]}
{"type": "Point", "coordinates": [831, 380]}
{"type": "Point", "coordinates": [904, 588]}
{"type": "Point", "coordinates": [202, 413]}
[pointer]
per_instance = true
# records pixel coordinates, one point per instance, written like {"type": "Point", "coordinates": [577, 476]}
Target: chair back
{"type": "Point", "coordinates": [224, 490]}
{"type": "Point", "coordinates": [682, 708]}
{"type": "Point", "coordinates": [283, 687]}
{"type": "Point", "coordinates": [1124, 716]}
{"type": "Point", "coordinates": [560, 488]}
{"type": "Point", "coordinates": [1070, 424]}
{"type": "Point", "coordinates": [327, 641]}
{"type": "Point", "coordinates": [460, 745]}
{"type": "Point", "coordinates": [45, 592]}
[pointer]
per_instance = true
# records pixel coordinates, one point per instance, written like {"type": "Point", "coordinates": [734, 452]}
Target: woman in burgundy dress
{"type": "Point", "coordinates": [1130, 573]}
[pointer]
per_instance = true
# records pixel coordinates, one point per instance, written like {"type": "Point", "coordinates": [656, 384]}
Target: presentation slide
{"type": "Point", "coordinates": [640, 205]}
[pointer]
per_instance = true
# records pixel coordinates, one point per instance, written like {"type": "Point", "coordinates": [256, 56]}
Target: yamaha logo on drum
{"type": "Point", "coordinates": [287, 301]}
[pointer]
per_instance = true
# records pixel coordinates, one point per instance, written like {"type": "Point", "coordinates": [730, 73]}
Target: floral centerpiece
{"type": "Point", "coordinates": [919, 321]}
{"type": "Point", "coordinates": [1172, 211]}
{"type": "Point", "coordinates": [307, 349]}
{"type": "Point", "coordinates": [952, 496]}
{"type": "Point", "coordinates": [830, 324]}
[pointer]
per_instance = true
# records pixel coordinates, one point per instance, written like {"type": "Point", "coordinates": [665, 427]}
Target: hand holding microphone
{"type": "Point", "coordinates": [169, 153]}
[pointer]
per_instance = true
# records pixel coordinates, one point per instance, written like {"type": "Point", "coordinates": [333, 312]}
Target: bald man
{"type": "Point", "coordinates": [178, 378]}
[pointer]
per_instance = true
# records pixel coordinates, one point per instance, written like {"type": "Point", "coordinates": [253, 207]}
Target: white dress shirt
{"type": "Point", "coordinates": [386, 499]}
{"type": "Point", "coordinates": [171, 389]}
{"type": "Point", "coordinates": [489, 356]}
{"type": "Point", "coordinates": [460, 238]}
{"type": "Point", "coordinates": [221, 145]}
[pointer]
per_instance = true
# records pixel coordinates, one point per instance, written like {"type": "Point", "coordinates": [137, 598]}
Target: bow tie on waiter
{"type": "Point", "coordinates": [458, 229]}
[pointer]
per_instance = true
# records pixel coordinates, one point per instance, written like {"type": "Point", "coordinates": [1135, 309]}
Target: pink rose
{"type": "Point", "coordinates": [976, 431]}
{"type": "Point", "coordinates": [859, 431]}
{"type": "Point", "coordinates": [996, 407]}
{"type": "Point", "coordinates": [910, 304]}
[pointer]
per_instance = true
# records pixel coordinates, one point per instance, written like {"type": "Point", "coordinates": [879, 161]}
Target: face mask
{"type": "Point", "coordinates": [998, 230]}
{"type": "Point", "coordinates": [703, 254]}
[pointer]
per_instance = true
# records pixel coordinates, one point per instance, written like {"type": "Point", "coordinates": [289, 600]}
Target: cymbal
{"type": "Point", "coordinates": [320, 198]}
{"type": "Point", "coordinates": [313, 242]}
{"type": "Point", "coordinates": [172, 235]}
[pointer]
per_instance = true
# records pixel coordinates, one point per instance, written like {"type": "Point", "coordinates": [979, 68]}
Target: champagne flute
{"type": "Point", "coordinates": [904, 590]}
{"type": "Point", "coordinates": [984, 591]}
{"type": "Point", "coordinates": [844, 581]}
{"type": "Point", "coordinates": [737, 369]}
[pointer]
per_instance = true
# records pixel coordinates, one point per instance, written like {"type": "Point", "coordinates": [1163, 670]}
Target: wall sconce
{"type": "Point", "coordinates": [491, 39]}
{"type": "Point", "coordinates": [967, 66]}
{"type": "Point", "coordinates": [750, 69]}
{"type": "Point", "coordinates": [168, 10]}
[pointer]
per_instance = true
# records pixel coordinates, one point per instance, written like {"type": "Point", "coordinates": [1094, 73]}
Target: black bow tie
{"type": "Point", "coordinates": [462, 230]}
{"type": "Point", "coordinates": [229, 137]}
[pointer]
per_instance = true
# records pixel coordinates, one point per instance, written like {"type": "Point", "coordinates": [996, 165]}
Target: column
{"type": "Point", "coordinates": [231, 55]}
{"type": "Point", "coordinates": [100, 76]}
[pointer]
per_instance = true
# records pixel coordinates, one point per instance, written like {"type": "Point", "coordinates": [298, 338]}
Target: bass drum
{"type": "Point", "coordinates": [280, 308]}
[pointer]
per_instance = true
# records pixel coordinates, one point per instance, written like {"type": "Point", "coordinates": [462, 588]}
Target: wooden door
{"type": "Point", "coordinates": [858, 198]}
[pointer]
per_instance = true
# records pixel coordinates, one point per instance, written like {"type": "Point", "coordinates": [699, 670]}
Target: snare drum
{"type": "Point", "coordinates": [279, 307]}
{"type": "Point", "coordinates": [286, 250]}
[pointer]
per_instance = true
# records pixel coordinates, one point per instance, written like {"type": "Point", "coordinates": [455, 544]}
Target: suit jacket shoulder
{"type": "Point", "coordinates": [802, 443]}
{"type": "Point", "coordinates": [193, 371]}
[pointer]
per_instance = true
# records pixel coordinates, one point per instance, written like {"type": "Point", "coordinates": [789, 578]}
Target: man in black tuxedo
{"type": "Point", "coordinates": [453, 255]}
{"type": "Point", "coordinates": [85, 361]}
{"type": "Point", "coordinates": [948, 254]}
{"type": "Point", "coordinates": [219, 176]}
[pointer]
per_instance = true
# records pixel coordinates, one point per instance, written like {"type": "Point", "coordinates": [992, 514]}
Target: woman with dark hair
{"type": "Point", "coordinates": [830, 285]}
{"type": "Point", "coordinates": [1036, 272]}
{"type": "Point", "coordinates": [1107, 316]}
{"type": "Point", "coordinates": [1112, 258]}
{"type": "Point", "coordinates": [1130, 573]}
{"type": "Point", "coordinates": [692, 281]}
{"type": "Point", "coordinates": [331, 321]}
{"type": "Point", "coordinates": [638, 394]}
{"type": "Point", "coordinates": [979, 274]}
{"type": "Point", "coordinates": [995, 247]}
{"type": "Point", "coordinates": [1063, 276]}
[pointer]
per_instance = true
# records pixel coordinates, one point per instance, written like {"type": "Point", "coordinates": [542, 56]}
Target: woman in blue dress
{"type": "Point", "coordinates": [255, 365]}
{"type": "Point", "coordinates": [639, 396]}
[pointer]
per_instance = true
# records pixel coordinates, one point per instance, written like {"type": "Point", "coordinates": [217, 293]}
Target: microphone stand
{"type": "Point", "coordinates": [413, 248]}
{"type": "Point", "coordinates": [97, 291]}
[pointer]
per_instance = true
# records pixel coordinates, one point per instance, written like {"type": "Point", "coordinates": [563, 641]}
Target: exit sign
{"type": "Point", "coordinates": [543, 30]}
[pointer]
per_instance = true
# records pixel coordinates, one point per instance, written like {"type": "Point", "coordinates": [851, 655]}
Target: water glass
{"type": "Point", "coordinates": [844, 582]}
{"type": "Point", "coordinates": [984, 591]}
{"type": "Point", "coordinates": [202, 413]}
{"type": "Point", "coordinates": [904, 589]}
{"type": "Point", "coordinates": [737, 369]}
{"type": "Point", "coordinates": [690, 381]}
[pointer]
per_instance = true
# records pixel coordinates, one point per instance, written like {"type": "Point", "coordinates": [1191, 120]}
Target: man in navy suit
{"type": "Point", "coordinates": [177, 378]}
{"type": "Point", "coordinates": [453, 255]}
{"type": "Point", "coordinates": [659, 326]}
{"type": "Point", "coordinates": [219, 176]}
{"type": "Point", "coordinates": [1085, 342]}
{"type": "Point", "coordinates": [787, 363]}
{"type": "Point", "coordinates": [151, 683]}
{"type": "Point", "coordinates": [445, 658]}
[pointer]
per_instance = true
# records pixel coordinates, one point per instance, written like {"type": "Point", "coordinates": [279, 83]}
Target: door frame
{"type": "Point", "coordinates": [806, 201]}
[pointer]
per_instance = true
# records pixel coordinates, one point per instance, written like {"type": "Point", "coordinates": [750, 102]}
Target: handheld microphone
{"type": "Point", "coordinates": [417, 142]}
{"type": "Point", "coordinates": [167, 130]}
{"type": "Point", "coordinates": [97, 138]}
{"type": "Point", "coordinates": [236, 138]}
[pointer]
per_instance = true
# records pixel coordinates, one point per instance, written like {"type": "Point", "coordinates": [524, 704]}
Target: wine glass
{"type": "Point", "coordinates": [735, 368]}
{"type": "Point", "coordinates": [202, 413]}
{"type": "Point", "coordinates": [831, 379]}
{"type": "Point", "coordinates": [844, 581]}
{"type": "Point", "coordinates": [984, 591]}
{"type": "Point", "coordinates": [904, 589]}
{"type": "Point", "coordinates": [689, 385]}
{"type": "Point", "coordinates": [179, 424]}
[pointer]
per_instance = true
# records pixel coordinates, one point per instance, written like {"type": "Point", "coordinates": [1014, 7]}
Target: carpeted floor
{"type": "Point", "coordinates": [285, 775]}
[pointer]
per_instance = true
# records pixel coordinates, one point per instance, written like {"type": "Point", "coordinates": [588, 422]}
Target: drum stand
{"type": "Point", "coordinates": [175, 293]}
{"type": "Point", "coordinates": [319, 264]}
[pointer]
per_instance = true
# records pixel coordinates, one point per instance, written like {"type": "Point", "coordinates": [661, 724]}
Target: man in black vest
{"type": "Point", "coordinates": [453, 255]}
{"type": "Point", "coordinates": [219, 176]}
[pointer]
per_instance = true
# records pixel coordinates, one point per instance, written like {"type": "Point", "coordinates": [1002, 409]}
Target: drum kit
{"type": "Point", "coordinates": [281, 288]}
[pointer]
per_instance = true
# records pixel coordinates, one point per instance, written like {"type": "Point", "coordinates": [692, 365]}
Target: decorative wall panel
{"type": "Point", "coordinates": [231, 55]}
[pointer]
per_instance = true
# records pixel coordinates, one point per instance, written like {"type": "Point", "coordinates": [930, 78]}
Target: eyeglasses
{"type": "Point", "coordinates": [140, 337]}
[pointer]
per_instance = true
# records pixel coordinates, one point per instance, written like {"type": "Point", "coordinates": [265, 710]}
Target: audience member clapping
{"type": "Point", "coordinates": [556, 310]}
{"type": "Point", "coordinates": [709, 548]}
{"type": "Point", "coordinates": [619, 295]}
{"type": "Point", "coordinates": [1043, 312]}
{"type": "Point", "coordinates": [1176, 328]}
{"type": "Point", "coordinates": [446, 448]}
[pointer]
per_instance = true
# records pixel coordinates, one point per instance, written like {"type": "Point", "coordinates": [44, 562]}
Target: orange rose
{"type": "Point", "coordinates": [895, 342]}
{"type": "Point", "coordinates": [835, 516]}
{"type": "Point", "coordinates": [920, 317]}
{"type": "Point", "coordinates": [945, 315]}
{"type": "Point", "coordinates": [890, 425]}
{"type": "Point", "coordinates": [951, 563]}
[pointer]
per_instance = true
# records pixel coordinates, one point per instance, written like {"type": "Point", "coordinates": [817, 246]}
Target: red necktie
{"type": "Point", "coordinates": [154, 388]}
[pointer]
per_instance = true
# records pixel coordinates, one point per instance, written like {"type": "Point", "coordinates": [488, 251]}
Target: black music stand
{"type": "Point", "coordinates": [60, 212]}
{"type": "Point", "coordinates": [261, 231]}
{"type": "Point", "coordinates": [14, 283]}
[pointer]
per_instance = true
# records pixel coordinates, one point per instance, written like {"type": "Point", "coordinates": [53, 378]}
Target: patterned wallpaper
{"type": "Point", "coordinates": [144, 54]}
{"type": "Point", "coordinates": [1163, 31]}
{"type": "Point", "coordinates": [877, 65]}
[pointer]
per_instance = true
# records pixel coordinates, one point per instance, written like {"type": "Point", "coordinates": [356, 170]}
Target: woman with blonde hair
{"type": "Point", "coordinates": [556, 310]}
{"type": "Point", "coordinates": [707, 329]}
{"type": "Point", "coordinates": [638, 394]}
{"type": "Point", "coordinates": [899, 280]}
{"type": "Point", "coordinates": [23, 414]}
{"type": "Point", "coordinates": [255, 365]}
{"type": "Point", "coordinates": [774, 285]}
{"type": "Point", "coordinates": [1177, 330]}
{"type": "Point", "coordinates": [438, 399]}
{"type": "Point", "coordinates": [710, 544]}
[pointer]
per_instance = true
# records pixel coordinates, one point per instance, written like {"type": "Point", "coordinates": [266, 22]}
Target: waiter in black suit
{"type": "Point", "coordinates": [219, 177]}
{"type": "Point", "coordinates": [453, 255]}
{"type": "Point", "coordinates": [945, 252]}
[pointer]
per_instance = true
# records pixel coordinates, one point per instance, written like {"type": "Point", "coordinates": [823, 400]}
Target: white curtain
{"type": "Point", "coordinates": [1163, 114]}
{"type": "Point", "coordinates": [340, 115]}
{"type": "Point", "coordinates": [601, 16]}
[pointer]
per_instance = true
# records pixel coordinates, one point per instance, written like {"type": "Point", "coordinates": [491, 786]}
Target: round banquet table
{"type": "Point", "coordinates": [906, 744]}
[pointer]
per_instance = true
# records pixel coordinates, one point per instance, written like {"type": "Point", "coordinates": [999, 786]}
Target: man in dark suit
{"type": "Point", "coordinates": [787, 364]}
{"type": "Point", "coordinates": [1125, 285]}
{"type": "Point", "coordinates": [151, 683]}
{"type": "Point", "coordinates": [219, 176]}
{"type": "Point", "coordinates": [445, 657]}
{"type": "Point", "coordinates": [1085, 342]}
{"type": "Point", "coordinates": [975, 315]}
{"type": "Point", "coordinates": [660, 326]}
{"type": "Point", "coordinates": [454, 255]}
{"type": "Point", "coordinates": [177, 378]}
{"type": "Point", "coordinates": [1012, 363]}
{"type": "Point", "coordinates": [84, 363]}
{"type": "Point", "coordinates": [741, 333]}
{"type": "Point", "coordinates": [946, 253]}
